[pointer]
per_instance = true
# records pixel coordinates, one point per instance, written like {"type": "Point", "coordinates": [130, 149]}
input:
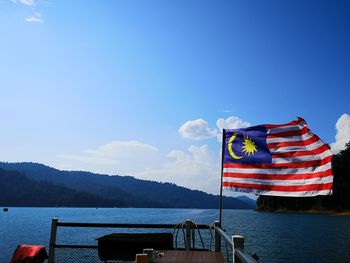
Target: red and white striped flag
{"type": "Point", "coordinates": [277, 160]}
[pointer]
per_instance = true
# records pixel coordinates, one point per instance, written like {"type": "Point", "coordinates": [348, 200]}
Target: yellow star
{"type": "Point", "coordinates": [249, 147]}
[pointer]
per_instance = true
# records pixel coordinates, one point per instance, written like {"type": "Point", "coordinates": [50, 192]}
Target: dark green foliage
{"type": "Point", "coordinates": [18, 190]}
{"type": "Point", "coordinates": [126, 190]}
{"type": "Point", "coordinates": [339, 201]}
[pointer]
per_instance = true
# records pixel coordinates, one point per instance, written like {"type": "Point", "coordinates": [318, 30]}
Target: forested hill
{"type": "Point", "coordinates": [118, 191]}
{"type": "Point", "coordinates": [339, 201]}
{"type": "Point", "coordinates": [19, 190]}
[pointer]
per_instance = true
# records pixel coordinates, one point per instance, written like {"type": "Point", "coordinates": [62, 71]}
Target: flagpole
{"type": "Point", "coordinates": [222, 170]}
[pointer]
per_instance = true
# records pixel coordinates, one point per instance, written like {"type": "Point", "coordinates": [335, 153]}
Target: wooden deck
{"type": "Point", "coordinates": [188, 256]}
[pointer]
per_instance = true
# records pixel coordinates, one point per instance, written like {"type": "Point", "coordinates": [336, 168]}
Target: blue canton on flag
{"type": "Point", "coordinates": [247, 146]}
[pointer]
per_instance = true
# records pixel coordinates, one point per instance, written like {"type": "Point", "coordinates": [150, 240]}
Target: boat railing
{"type": "Point", "coordinates": [235, 243]}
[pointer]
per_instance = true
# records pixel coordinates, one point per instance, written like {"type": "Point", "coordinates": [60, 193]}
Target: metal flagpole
{"type": "Point", "coordinates": [222, 170]}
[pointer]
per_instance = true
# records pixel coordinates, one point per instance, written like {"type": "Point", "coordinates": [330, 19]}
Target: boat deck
{"type": "Point", "coordinates": [191, 243]}
{"type": "Point", "coordinates": [188, 256]}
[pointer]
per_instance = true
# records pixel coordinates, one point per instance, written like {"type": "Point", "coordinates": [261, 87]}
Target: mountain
{"type": "Point", "coordinates": [249, 201]}
{"type": "Point", "coordinates": [19, 190]}
{"type": "Point", "coordinates": [126, 190]}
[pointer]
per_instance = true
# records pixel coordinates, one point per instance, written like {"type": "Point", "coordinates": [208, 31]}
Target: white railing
{"type": "Point", "coordinates": [235, 243]}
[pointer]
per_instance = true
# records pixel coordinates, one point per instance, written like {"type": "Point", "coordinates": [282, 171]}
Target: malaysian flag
{"type": "Point", "coordinates": [279, 160]}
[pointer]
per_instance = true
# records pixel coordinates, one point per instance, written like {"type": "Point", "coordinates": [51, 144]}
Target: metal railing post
{"type": "Point", "coordinates": [188, 224]}
{"type": "Point", "coordinates": [52, 240]}
{"type": "Point", "coordinates": [217, 237]}
{"type": "Point", "coordinates": [237, 242]}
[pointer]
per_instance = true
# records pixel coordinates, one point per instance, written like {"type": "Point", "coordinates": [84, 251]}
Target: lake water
{"type": "Point", "coordinates": [275, 237]}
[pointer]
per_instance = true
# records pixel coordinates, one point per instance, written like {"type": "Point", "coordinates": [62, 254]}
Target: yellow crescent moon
{"type": "Point", "coordinates": [229, 145]}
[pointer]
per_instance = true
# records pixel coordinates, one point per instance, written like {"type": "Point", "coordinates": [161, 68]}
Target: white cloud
{"type": "Point", "coordinates": [24, 2]}
{"type": "Point", "coordinates": [196, 130]}
{"type": "Point", "coordinates": [196, 168]}
{"type": "Point", "coordinates": [343, 133]}
{"type": "Point", "coordinates": [232, 122]}
{"type": "Point", "coordinates": [199, 129]}
{"type": "Point", "coordinates": [34, 19]}
{"type": "Point", "coordinates": [27, 2]}
{"type": "Point", "coordinates": [117, 157]}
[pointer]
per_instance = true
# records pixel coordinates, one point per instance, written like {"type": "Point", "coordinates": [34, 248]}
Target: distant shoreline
{"type": "Point", "coordinates": [313, 211]}
{"type": "Point", "coordinates": [123, 207]}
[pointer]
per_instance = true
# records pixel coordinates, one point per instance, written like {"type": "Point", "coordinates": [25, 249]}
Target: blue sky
{"type": "Point", "coordinates": [143, 87]}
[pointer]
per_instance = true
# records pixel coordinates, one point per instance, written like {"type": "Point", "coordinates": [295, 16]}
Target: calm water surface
{"type": "Point", "coordinates": [275, 237]}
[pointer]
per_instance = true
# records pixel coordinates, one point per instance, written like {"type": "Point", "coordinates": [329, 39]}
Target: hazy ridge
{"type": "Point", "coordinates": [33, 184]}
